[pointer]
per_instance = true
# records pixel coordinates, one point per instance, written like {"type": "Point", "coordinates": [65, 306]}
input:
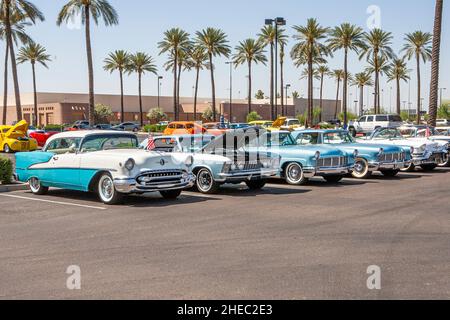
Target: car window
{"type": "Point", "coordinates": [64, 145]}
{"type": "Point", "coordinates": [408, 133]}
{"type": "Point", "coordinates": [179, 126]}
{"type": "Point", "coordinates": [293, 122]}
{"type": "Point", "coordinates": [362, 119]}
{"type": "Point", "coordinates": [189, 126]}
{"type": "Point", "coordinates": [370, 119]}
{"type": "Point", "coordinates": [382, 118]}
{"type": "Point", "coordinates": [395, 118]}
{"type": "Point", "coordinates": [307, 139]}
{"type": "Point", "coordinates": [388, 134]}
{"type": "Point", "coordinates": [337, 138]}
{"type": "Point", "coordinates": [108, 142]}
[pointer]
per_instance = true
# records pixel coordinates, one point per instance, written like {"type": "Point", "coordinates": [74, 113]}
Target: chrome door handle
{"type": "Point", "coordinates": [55, 158]}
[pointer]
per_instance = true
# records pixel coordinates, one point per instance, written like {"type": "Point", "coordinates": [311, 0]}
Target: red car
{"type": "Point", "coordinates": [42, 136]}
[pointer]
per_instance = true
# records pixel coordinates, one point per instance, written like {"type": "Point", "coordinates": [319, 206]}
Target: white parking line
{"type": "Point", "coordinates": [54, 202]}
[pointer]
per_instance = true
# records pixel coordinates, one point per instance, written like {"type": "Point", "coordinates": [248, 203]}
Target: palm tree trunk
{"type": "Point", "coordinates": [178, 89]}
{"type": "Point", "coordinates": [35, 116]}
{"type": "Point", "coordinates": [140, 99]}
{"type": "Point", "coordinates": [196, 93]}
{"type": "Point", "coordinates": [419, 100]}
{"type": "Point", "coordinates": [344, 103]}
{"type": "Point", "coordinates": [175, 82]}
{"type": "Point", "coordinates": [249, 86]}
{"type": "Point", "coordinates": [90, 64]}
{"type": "Point", "coordinates": [361, 101]}
{"type": "Point", "coordinates": [282, 80]}
{"type": "Point", "coordinates": [310, 89]}
{"type": "Point", "coordinates": [399, 108]}
{"type": "Point", "coordinates": [375, 104]}
{"type": "Point", "coordinates": [272, 104]}
{"type": "Point", "coordinates": [321, 97]}
{"type": "Point", "coordinates": [435, 61]}
{"type": "Point", "coordinates": [5, 84]}
{"type": "Point", "coordinates": [337, 98]}
{"type": "Point", "coordinates": [122, 108]}
{"type": "Point", "coordinates": [9, 39]}
{"type": "Point", "coordinates": [213, 87]}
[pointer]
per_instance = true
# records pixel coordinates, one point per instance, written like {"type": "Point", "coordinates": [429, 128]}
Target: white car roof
{"type": "Point", "coordinates": [84, 133]}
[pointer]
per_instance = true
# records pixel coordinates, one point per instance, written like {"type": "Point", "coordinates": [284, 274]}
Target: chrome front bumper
{"type": "Point", "coordinates": [130, 185]}
{"type": "Point", "coordinates": [246, 175]}
{"type": "Point", "coordinates": [326, 171]}
{"type": "Point", "coordinates": [397, 165]}
{"type": "Point", "coordinates": [433, 158]}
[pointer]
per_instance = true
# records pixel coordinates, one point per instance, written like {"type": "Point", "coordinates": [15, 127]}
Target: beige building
{"type": "Point", "coordinates": [65, 108]}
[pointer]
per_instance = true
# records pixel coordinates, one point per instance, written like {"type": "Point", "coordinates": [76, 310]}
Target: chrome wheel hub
{"type": "Point", "coordinates": [107, 188]}
{"type": "Point", "coordinates": [34, 184]}
{"type": "Point", "coordinates": [295, 173]}
{"type": "Point", "coordinates": [204, 180]}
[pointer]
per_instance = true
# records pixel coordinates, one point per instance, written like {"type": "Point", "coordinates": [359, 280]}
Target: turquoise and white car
{"type": "Point", "coordinates": [299, 163]}
{"type": "Point", "coordinates": [217, 162]}
{"type": "Point", "coordinates": [106, 162]}
{"type": "Point", "coordinates": [388, 159]}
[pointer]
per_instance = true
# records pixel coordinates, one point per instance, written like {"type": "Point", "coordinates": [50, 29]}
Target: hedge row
{"type": "Point", "coordinates": [154, 128]}
{"type": "Point", "coordinates": [6, 170]}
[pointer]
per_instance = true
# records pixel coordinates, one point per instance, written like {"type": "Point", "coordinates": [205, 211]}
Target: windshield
{"type": "Point", "coordinates": [109, 142]}
{"type": "Point", "coordinates": [293, 122]}
{"type": "Point", "coordinates": [272, 139]}
{"type": "Point", "coordinates": [388, 133]}
{"type": "Point", "coordinates": [337, 138]}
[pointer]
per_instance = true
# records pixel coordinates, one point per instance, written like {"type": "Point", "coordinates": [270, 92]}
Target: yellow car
{"type": "Point", "coordinates": [14, 138]}
{"type": "Point", "coordinates": [285, 124]}
{"type": "Point", "coordinates": [261, 123]}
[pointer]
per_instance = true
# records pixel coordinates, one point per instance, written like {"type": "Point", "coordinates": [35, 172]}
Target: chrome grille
{"type": "Point", "coordinates": [152, 178]}
{"type": "Point", "coordinates": [332, 162]}
{"type": "Point", "coordinates": [392, 157]}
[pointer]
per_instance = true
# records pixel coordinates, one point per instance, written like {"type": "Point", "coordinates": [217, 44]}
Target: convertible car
{"type": "Point", "coordinates": [426, 154]}
{"type": "Point", "coordinates": [300, 163]}
{"type": "Point", "coordinates": [222, 160]}
{"type": "Point", "coordinates": [388, 159]}
{"type": "Point", "coordinates": [106, 162]}
{"type": "Point", "coordinates": [14, 138]}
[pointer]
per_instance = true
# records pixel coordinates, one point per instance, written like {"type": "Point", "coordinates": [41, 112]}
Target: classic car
{"type": "Point", "coordinates": [388, 159]}
{"type": "Point", "coordinates": [219, 160]}
{"type": "Point", "coordinates": [216, 128]}
{"type": "Point", "coordinates": [106, 162]}
{"type": "Point", "coordinates": [261, 123]}
{"type": "Point", "coordinates": [285, 124]}
{"type": "Point", "coordinates": [423, 133]}
{"type": "Point", "coordinates": [426, 154]}
{"type": "Point", "coordinates": [300, 163]}
{"type": "Point", "coordinates": [14, 138]}
{"type": "Point", "coordinates": [41, 136]}
{"type": "Point", "coordinates": [127, 126]}
{"type": "Point", "coordinates": [235, 126]}
{"type": "Point", "coordinates": [367, 124]}
{"type": "Point", "coordinates": [184, 127]}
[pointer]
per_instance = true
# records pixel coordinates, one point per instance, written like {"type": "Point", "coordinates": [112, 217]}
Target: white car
{"type": "Point", "coordinates": [367, 124]}
{"type": "Point", "coordinates": [425, 153]}
{"type": "Point", "coordinates": [106, 162]}
{"type": "Point", "coordinates": [442, 122]}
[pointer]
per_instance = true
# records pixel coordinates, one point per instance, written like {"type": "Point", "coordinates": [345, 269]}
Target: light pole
{"type": "Point", "coordinates": [230, 116]}
{"type": "Point", "coordinates": [440, 95]}
{"type": "Point", "coordinates": [278, 22]}
{"type": "Point", "coordinates": [284, 112]}
{"type": "Point", "coordinates": [159, 90]}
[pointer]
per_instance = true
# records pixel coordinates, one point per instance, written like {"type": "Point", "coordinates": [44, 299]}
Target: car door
{"type": "Point", "coordinates": [368, 126]}
{"type": "Point", "coordinates": [65, 164]}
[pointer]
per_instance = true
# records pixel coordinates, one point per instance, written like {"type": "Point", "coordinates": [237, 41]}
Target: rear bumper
{"type": "Point", "coordinates": [130, 185]}
{"type": "Point", "coordinates": [247, 175]}
{"type": "Point", "coordinates": [320, 172]}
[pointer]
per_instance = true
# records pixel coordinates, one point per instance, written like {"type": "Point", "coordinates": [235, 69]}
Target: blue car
{"type": "Point", "coordinates": [299, 163]}
{"type": "Point", "coordinates": [388, 159]}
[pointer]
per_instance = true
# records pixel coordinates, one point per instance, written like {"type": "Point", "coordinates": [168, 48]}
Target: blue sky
{"type": "Point", "coordinates": [143, 22]}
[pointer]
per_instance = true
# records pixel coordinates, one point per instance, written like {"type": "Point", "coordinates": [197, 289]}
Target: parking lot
{"type": "Point", "coordinates": [285, 242]}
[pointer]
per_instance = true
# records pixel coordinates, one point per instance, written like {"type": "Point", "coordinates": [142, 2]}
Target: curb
{"type": "Point", "coordinates": [13, 187]}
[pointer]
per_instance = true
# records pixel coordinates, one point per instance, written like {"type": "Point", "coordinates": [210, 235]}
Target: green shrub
{"type": "Point", "coordinates": [154, 128]}
{"type": "Point", "coordinates": [54, 127]}
{"type": "Point", "coordinates": [6, 170]}
{"type": "Point", "coordinates": [253, 116]}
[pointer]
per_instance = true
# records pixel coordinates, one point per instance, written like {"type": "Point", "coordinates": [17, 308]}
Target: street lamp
{"type": "Point", "coordinates": [279, 21]}
{"type": "Point", "coordinates": [159, 90]}
{"type": "Point", "coordinates": [230, 116]}
{"type": "Point", "coordinates": [286, 104]}
{"type": "Point", "coordinates": [440, 95]}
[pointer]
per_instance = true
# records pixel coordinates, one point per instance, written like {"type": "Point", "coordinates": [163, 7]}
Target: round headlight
{"type": "Point", "coordinates": [129, 164]}
{"type": "Point", "coordinates": [355, 153]}
{"type": "Point", "coordinates": [189, 161]}
{"type": "Point", "coordinates": [317, 155]}
{"type": "Point", "coordinates": [241, 167]}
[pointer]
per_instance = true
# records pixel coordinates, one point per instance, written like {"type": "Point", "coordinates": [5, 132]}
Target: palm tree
{"type": "Point", "coordinates": [418, 45]}
{"type": "Point", "coordinates": [18, 24]}
{"type": "Point", "coordinates": [398, 71]}
{"type": "Point", "coordinates": [361, 80]}
{"type": "Point", "coordinates": [118, 60]}
{"type": "Point", "coordinates": [309, 48]}
{"type": "Point", "coordinates": [267, 36]}
{"type": "Point", "coordinates": [377, 46]}
{"type": "Point", "coordinates": [249, 51]}
{"type": "Point", "coordinates": [338, 75]}
{"type": "Point", "coordinates": [175, 41]}
{"type": "Point", "coordinates": [381, 67]}
{"type": "Point", "coordinates": [282, 42]}
{"type": "Point", "coordinates": [34, 53]}
{"type": "Point", "coordinates": [322, 71]}
{"type": "Point", "coordinates": [215, 42]}
{"type": "Point", "coordinates": [199, 60]}
{"type": "Point", "coordinates": [349, 38]}
{"type": "Point", "coordinates": [435, 61]}
{"type": "Point", "coordinates": [89, 9]}
{"type": "Point", "coordinates": [24, 10]}
{"type": "Point", "coordinates": [141, 63]}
